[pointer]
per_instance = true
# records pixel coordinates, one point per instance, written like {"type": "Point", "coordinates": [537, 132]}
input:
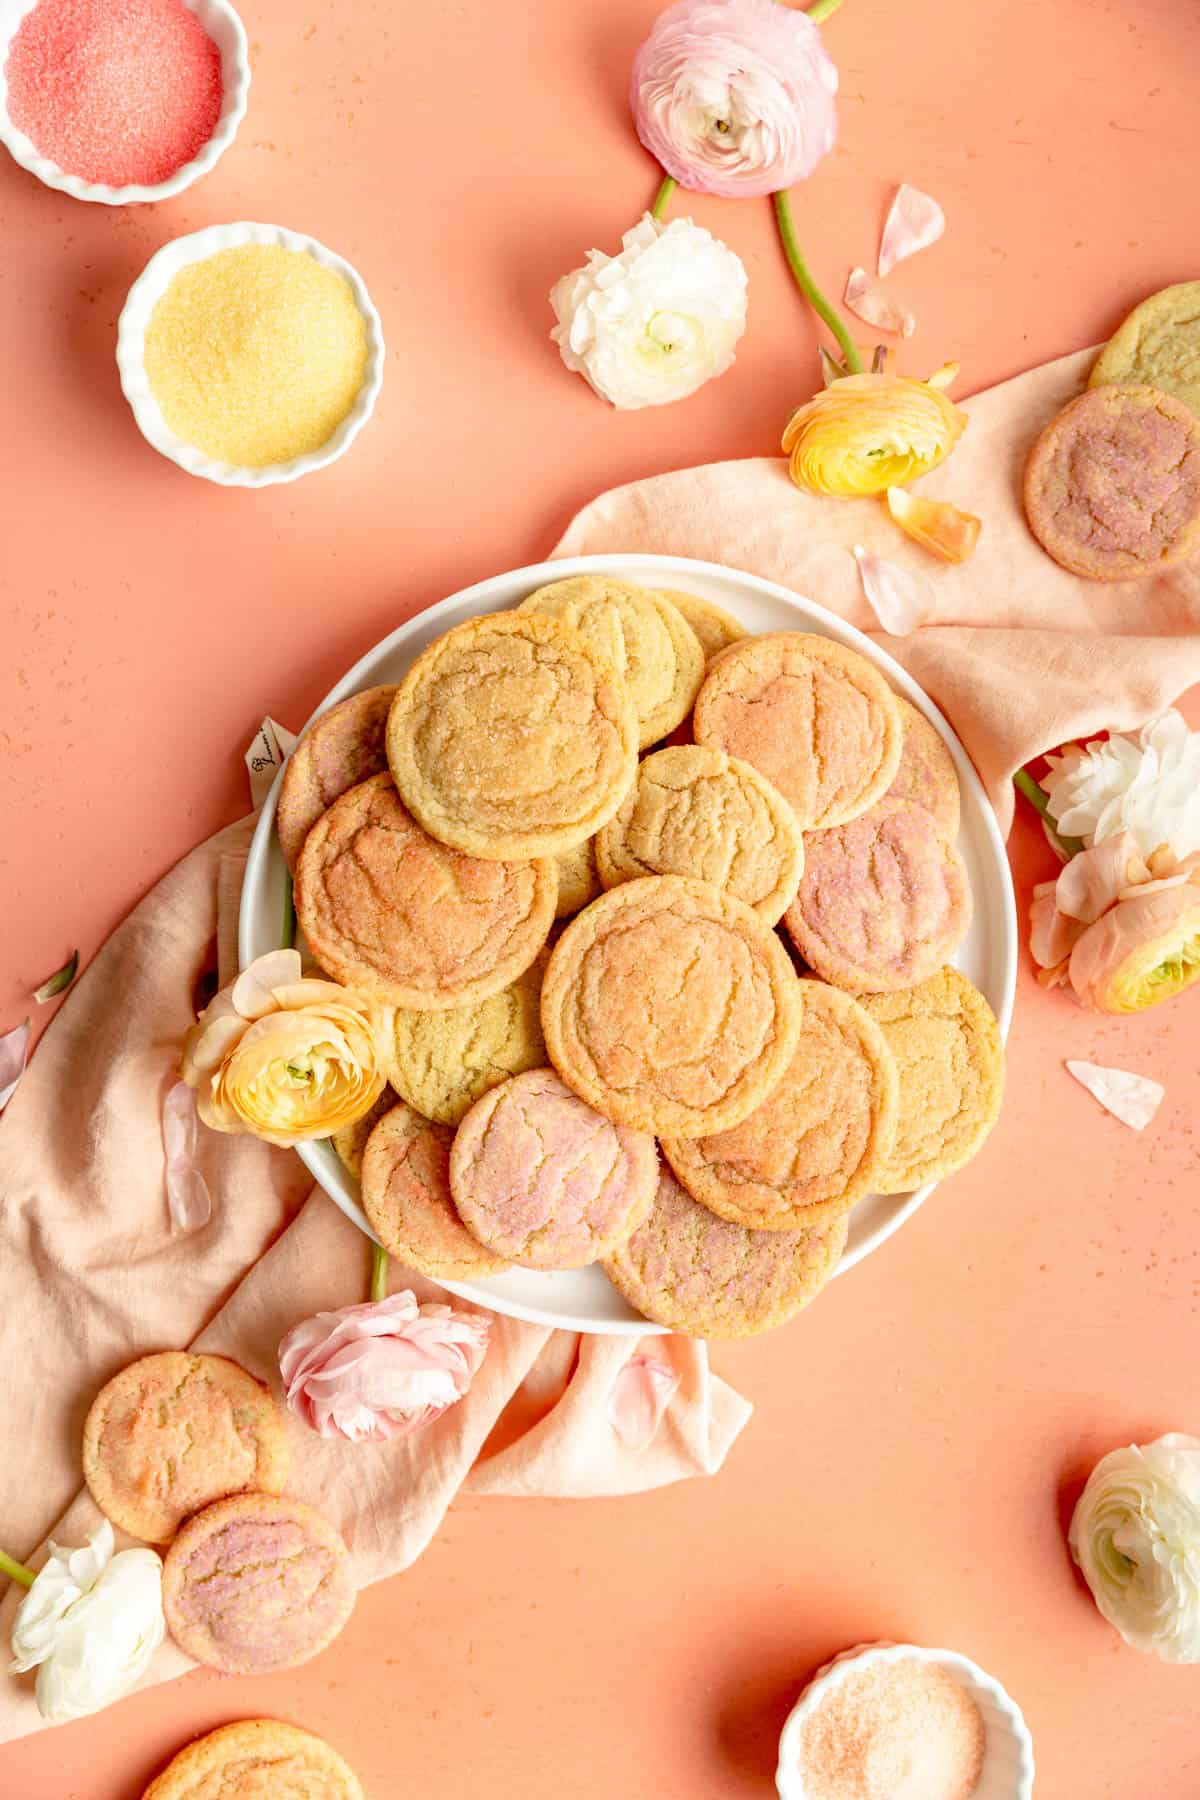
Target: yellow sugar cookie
{"type": "Point", "coordinates": [351, 1141]}
{"type": "Point", "coordinates": [1157, 345]}
{"type": "Point", "coordinates": [950, 1060]}
{"type": "Point", "coordinates": [256, 1759]}
{"type": "Point", "coordinates": [669, 1006]}
{"type": "Point", "coordinates": [578, 880]}
{"type": "Point", "coordinates": [695, 811]}
{"type": "Point", "coordinates": [512, 737]}
{"type": "Point", "coordinates": [715, 628]}
{"type": "Point", "coordinates": [640, 634]}
{"type": "Point", "coordinates": [442, 1062]}
{"type": "Point", "coordinates": [820, 1139]}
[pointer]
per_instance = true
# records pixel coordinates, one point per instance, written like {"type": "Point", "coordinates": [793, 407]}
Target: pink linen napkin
{"type": "Point", "coordinates": [92, 1275]}
{"type": "Point", "coordinates": [1020, 655]}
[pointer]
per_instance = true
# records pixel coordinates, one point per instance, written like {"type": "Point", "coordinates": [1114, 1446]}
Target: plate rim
{"type": "Point", "coordinates": [558, 568]}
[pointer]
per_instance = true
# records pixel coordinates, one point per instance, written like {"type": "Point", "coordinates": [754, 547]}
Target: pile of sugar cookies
{"type": "Point", "coordinates": [671, 999]}
{"type": "Point", "coordinates": [1112, 486]}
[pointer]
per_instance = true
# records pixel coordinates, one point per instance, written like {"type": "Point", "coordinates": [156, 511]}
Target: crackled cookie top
{"type": "Point", "coordinates": [442, 1062]}
{"type": "Point", "coordinates": [173, 1432]}
{"type": "Point", "coordinates": [701, 1275]}
{"type": "Point", "coordinates": [1157, 346]}
{"type": "Point", "coordinates": [257, 1759]}
{"type": "Point", "coordinates": [406, 1196]}
{"type": "Point", "coordinates": [578, 881]}
{"type": "Point", "coordinates": [1112, 486]}
{"type": "Point", "coordinates": [670, 1006]}
{"type": "Point", "coordinates": [343, 747]}
{"type": "Point", "coordinates": [388, 909]}
{"type": "Point", "coordinates": [544, 1179]}
{"type": "Point", "coordinates": [512, 737]}
{"type": "Point", "coordinates": [255, 1583]}
{"type": "Point", "coordinates": [819, 1140]}
{"type": "Point", "coordinates": [641, 635]}
{"type": "Point", "coordinates": [715, 628]}
{"type": "Point", "coordinates": [695, 811]}
{"type": "Point", "coordinates": [816, 719]}
{"type": "Point", "coordinates": [950, 1058]}
{"type": "Point", "coordinates": [883, 902]}
{"type": "Point", "coordinates": [926, 771]}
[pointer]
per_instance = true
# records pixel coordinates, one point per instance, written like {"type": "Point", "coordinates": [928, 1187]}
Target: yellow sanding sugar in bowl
{"type": "Point", "coordinates": [255, 355]}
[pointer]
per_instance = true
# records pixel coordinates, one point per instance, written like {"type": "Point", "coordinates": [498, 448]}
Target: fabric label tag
{"type": "Point", "coordinates": [270, 747]}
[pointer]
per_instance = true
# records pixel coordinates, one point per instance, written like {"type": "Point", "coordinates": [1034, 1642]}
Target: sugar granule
{"type": "Point", "coordinates": [900, 1730]}
{"type": "Point", "coordinates": [255, 355]}
{"type": "Point", "coordinates": [117, 91]}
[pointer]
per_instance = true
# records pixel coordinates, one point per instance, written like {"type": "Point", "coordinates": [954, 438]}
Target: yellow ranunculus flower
{"type": "Point", "coordinates": [865, 433]}
{"type": "Point", "coordinates": [285, 1057]}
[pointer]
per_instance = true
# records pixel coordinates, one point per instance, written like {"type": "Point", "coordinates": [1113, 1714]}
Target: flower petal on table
{"type": "Point", "coordinates": [1134, 1099]}
{"type": "Point", "coordinates": [14, 1054]}
{"type": "Point", "coordinates": [188, 1197]}
{"type": "Point", "coordinates": [900, 599]}
{"type": "Point", "coordinates": [914, 222]}
{"type": "Point", "coordinates": [871, 303]}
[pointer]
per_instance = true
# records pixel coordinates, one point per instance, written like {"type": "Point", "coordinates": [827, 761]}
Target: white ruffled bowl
{"type": "Point", "coordinates": [225, 29]}
{"type": "Point", "coordinates": [149, 288]}
{"type": "Point", "coordinates": [1007, 1772]}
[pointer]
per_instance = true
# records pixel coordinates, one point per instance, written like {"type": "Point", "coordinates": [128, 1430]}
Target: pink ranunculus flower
{"type": "Point", "coordinates": [735, 97]}
{"type": "Point", "coordinates": [383, 1369]}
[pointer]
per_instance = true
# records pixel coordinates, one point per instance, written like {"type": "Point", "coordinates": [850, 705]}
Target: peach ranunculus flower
{"type": "Point", "coordinates": [284, 1056]}
{"type": "Point", "coordinates": [1122, 931]}
{"type": "Point", "coordinates": [865, 433]}
{"type": "Point", "coordinates": [383, 1369]}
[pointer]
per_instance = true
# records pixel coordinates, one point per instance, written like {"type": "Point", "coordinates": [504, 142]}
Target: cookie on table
{"type": "Point", "coordinates": [173, 1432]}
{"type": "Point", "coordinates": [578, 880]}
{"type": "Point", "coordinates": [818, 720]}
{"type": "Point", "coordinates": [715, 628]}
{"type": "Point", "coordinates": [695, 1273]}
{"type": "Point", "coordinates": [344, 746]}
{"type": "Point", "coordinates": [926, 771]}
{"type": "Point", "coordinates": [256, 1583]}
{"type": "Point", "coordinates": [950, 1059]}
{"type": "Point", "coordinates": [1112, 486]}
{"type": "Point", "coordinates": [544, 1179]}
{"type": "Point", "coordinates": [640, 634]}
{"type": "Point", "coordinates": [883, 902]}
{"type": "Point", "coordinates": [669, 1006]}
{"type": "Point", "coordinates": [442, 1062]}
{"type": "Point", "coordinates": [692, 810]}
{"type": "Point", "coordinates": [391, 911]}
{"type": "Point", "coordinates": [351, 1141]}
{"type": "Point", "coordinates": [406, 1196]}
{"type": "Point", "coordinates": [1157, 346]}
{"type": "Point", "coordinates": [257, 1757]}
{"type": "Point", "coordinates": [510, 737]}
{"type": "Point", "coordinates": [818, 1142]}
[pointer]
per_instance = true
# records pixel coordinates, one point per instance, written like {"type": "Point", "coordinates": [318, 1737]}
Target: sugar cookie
{"type": "Point", "coordinates": [926, 771]}
{"type": "Point", "coordinates": [256, 1759]}
{"type": "Point", "coordinates": [442, 1062]}
{"type": "Point", "coordinates": [344, 746]}
{"type": "Point", "coordinates": [406, 1196]}
{"type": "Point", "coordinates": [1157, 346]}
{"type": "Point", "coordinates": [578, 880]}
{"type": "Point", "coordinates": [351, 1141]}
{"type": "Point", "coordinates": [715, 628]}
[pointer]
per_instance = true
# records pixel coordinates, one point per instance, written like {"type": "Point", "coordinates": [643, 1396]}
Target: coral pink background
{"type": "Point", "coordinates": [922, 1433]}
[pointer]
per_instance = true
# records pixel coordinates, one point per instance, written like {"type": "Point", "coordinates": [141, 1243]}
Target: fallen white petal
{"type": "Point", "coordinates": [914, 221]}
{"type": "Point", "coordinates": [868, 301]}
{"type": "Point", "coordinates": [1134, 1099]}
{"type": "Point", "coordinates": [14, 1054]}
{"type": "Point", "coordinates": [187, 1191]}
{"type": "Point", "coordinates": [901, 600]}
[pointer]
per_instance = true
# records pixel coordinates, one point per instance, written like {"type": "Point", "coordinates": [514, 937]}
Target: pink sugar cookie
{"type": "Point", "coordinates": [703, 1276]}
{"type": "Point", "coordinates": [406, 1195]}
{"type": "Point", "coordinates": [884, 901]}
{"type": "Point", "coordinates": [543, 1180]}
{"type": "Point", "coordinates": [926, 772]}
{"type": "Point", "coordinates": [344, 746]}
{"type": "Point", "coordinates": [255, 1583]}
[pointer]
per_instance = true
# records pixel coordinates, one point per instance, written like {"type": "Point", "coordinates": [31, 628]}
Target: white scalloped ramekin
{"type": "Point", "coordinates": [140, 302]}
{"type": "Point", "coordinates": [1007, 1772]}
{"type": "Point", "coordinates": [225, 29]}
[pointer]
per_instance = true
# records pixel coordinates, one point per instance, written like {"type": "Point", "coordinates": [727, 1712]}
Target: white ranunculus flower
{"type": "Point", "coordinates": [89, 1625]}
{"type": "Point", "coordinates": [1145, 782]}
{"type": "Point", "coordinates": [656, 322]}
{"type": "Point", "coordinates": [1136, 1536]}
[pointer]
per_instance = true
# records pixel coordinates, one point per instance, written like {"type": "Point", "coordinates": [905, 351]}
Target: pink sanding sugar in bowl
{"type": "Point", "coordinates": [902, 1730]}
{"type": "Point", "coordinates": [122, 92]}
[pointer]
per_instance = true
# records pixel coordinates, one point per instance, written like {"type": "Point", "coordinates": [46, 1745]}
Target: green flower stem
{"type": "Point", "coordinates": [809, 288]}
{"type": "Point", "coordinates": [289, 914]}
{"type": "Point", "coordinates": [16, 1571]}
{"type": "Point", "coordinates": [1037, 797]}
{"type": "Point", "coordinates": [379, 1272]}
{"type": "Point", "coordinates": [823, 10]}
{"type": "Point", "coordinates": [666, 189]}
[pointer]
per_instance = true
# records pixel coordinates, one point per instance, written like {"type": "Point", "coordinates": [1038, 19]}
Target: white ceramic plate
{"type": "Point", "coordinates": [584, 1299]}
